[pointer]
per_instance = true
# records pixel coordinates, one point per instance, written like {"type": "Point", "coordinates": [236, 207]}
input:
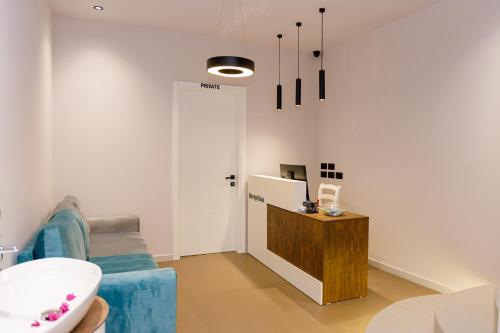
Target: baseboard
{"type": "Point", "coordinates": [420, 280]}
{"type": "Point", "coordinates": [163, 257]}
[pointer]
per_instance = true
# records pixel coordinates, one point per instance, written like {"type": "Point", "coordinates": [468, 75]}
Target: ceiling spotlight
{"type": "Point", "coordinates": [98, 7]}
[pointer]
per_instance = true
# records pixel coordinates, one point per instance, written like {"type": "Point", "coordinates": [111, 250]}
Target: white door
{"type": "Point", "coordinates": [208, 153]}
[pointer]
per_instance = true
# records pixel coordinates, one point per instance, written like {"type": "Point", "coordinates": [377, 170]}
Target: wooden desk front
{"type": "Point", "coordinates": [334, 250]}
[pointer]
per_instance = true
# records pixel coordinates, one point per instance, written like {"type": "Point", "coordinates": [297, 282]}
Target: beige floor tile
{"type": "Point", "coordinates": [324, 315]}
{"type": "Point", "coordinates": [188, 319]}
{"type": "Point", "coordinates": [364, 306]}
{"type": "Point", "coordinates": [357, 324]}
{"type": "Point", "coordinates": [335, 328]}
{"type": "Point", "coordinates": [252, 310]}
{"type": "Point", "coordinates": [213, 274]}
{"type": "Point", "coordinates": [394, 288]}
{"type": "Point", "coordinates": [235, 293]}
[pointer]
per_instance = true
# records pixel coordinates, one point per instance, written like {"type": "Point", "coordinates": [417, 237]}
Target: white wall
{"type": "Point", "coordinates": [113, 109]}
{"type": "Point", "coordinates": [25, 119]}
{"type": "Point", "coordinates": [412, 118]}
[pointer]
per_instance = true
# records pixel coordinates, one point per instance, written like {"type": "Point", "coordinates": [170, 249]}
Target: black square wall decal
{"type": "Point", "coordinates": [331, 175]}
{"type": "Point", "coordinates": [331, 166]}
{"type": "Point", "coordinates": [324, 166]}
{"type": "Point", "coordinates": [339, 175]}
{"type": "Point", "coordinates": [324, 174]}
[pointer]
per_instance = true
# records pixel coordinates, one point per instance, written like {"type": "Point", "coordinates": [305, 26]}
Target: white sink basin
{"type": "Point", "coordinates": [30, 289]}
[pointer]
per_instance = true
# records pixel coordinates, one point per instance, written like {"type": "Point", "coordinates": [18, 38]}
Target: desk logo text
{"type": "Point", "coordinates": [255, 197]}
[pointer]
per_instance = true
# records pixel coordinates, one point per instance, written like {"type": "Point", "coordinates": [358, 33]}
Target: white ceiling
{"type": "Point", "coordinates": [263, 18]}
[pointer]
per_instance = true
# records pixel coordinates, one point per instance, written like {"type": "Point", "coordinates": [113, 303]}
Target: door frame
{"type": "Point", "coordinates": [241, 101]}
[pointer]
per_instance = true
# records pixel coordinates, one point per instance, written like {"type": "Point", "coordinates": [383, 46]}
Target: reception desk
{"type": "Point", "coordinates": [324, 257]}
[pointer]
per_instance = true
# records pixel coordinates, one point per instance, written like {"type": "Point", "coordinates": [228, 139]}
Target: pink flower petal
{"type": "Point", "coordinates": [53, 316]}
{"type": "Point", "coordinates": [36, 323]}
{"type": "Point", "coordinates": [70, 297]}
{"type": "Point", "coordinates": [64, 307]}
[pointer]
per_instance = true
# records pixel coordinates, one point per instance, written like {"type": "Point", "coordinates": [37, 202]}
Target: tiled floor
{"type": "Point", "coordinates": [234, 293]}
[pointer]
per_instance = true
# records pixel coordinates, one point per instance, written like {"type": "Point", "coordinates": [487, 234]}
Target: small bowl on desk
{"type": "Point", "coordinates": [332, 211]}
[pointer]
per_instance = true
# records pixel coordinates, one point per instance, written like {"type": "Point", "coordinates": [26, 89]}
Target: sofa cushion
{"type": "Point", "coordinates": [107, 225]}
{"type": "Point", "coordinates": [73, 200]}
{"type": "Point", "coordinates": [140, 302]}
{"type": "Point", "coordinates": [112, 244]}
{"type": "Point", "coordinates": [125, 263]}
{"type": "Point", "coordinates": [71, 212]}
{"type": "Point", "coordinates": [60, 238]}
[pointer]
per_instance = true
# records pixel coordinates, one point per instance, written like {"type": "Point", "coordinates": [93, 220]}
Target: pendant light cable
{"type": "Point", "coordinates": [243, 22]}
{"type": "Point", "coordinates": [298, 48]}
{"type": "Point", "coordinates": [231, 27]}
{"type": "Point", "coordinates": [219, 23]}
{"type": "Point", "coordinates": [279, 58]}
{"type": "Point", "coordinates": [322, 11]}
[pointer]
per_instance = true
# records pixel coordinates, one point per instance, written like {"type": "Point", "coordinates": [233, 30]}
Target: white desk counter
{"type": "Point", "coordinates": [324, 257]}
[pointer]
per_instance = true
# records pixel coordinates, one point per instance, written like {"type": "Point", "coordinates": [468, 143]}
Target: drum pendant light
{"type": "Point", "coordinates": [322, 71]}
{"type": "Point", "coordinates": [231, 66]}
{"type": "Point", "coordinates": [278, 88]}
{"type": "Point", "coordinates": [298, 81]}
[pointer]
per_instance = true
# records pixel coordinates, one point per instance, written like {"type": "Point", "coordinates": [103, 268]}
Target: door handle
{"type": "Point", "coordinates": [231, 177]}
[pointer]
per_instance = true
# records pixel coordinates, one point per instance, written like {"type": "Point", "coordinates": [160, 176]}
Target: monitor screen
{"type": "Point", "coordinates": [296, 172]}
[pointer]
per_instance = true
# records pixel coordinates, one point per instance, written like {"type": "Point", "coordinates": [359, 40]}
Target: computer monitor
{"type": "Point", "coordinates": [296, 172]}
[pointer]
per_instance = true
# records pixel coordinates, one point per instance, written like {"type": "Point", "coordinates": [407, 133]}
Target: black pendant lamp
{"type": "Point", "coordinates": [231, 66]}
{"type": "Point", "coordinates": [322, 71]}
{"type": "Point", "coordinates": [298, 81]}
{"type": "Point", "coordinates": [278, 88]}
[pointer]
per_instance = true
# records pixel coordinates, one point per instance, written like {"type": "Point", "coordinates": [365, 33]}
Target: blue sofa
{"type": "Point", "coordinates": [141, 297]}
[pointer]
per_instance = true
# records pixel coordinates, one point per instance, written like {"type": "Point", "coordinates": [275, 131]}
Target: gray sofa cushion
{"type": "Point", "coordinates": [112, 244]}
{"type": "Point", "coordinates": [102, 225]}
{"type": "Point", "coordinates": [74, 201]}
